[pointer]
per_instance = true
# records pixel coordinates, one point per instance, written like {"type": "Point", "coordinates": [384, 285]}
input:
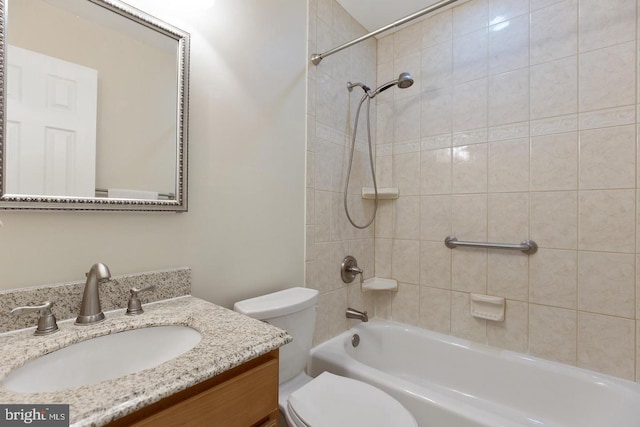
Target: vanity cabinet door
{"type": "Point", "coordinates": [244, 396]}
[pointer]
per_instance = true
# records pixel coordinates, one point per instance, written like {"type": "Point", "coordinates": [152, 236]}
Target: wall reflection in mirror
{"type": "Point", "coordinates": [95, 107]}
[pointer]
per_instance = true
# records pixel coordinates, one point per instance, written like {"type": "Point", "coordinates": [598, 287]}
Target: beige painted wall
{"type": "Point", "coordinates": [244, 232]}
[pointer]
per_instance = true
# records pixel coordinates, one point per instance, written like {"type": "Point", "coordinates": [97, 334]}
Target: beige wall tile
{"type": "Point", "coordinates": [509, 97]}
{"type": "Point", "coordinates": [554, 88]}
{"type": "Point", "coordinates": [501, 10]}
{"type": "Point", "coordinates": [407, 41]}
{"type": "Point", "coordinates": [469, 270]}
{"type": "Point", "coordinates": [435, 217]}
{"type": "Point", "coordinates": [469, 217]}
{"type": "Point", "coordinates": [329, 257]}
{"type": "Point", "coordinates": [470, 16]}
{"type": "Point", "coordinates": [607, 77]}
{"type": "Point", "coordinates": [383, 253]}
{"type": "Point", "coordinates": [437, 67]}
{"type": "Point", "coordinates": [508, 217]}
{"type": "Point", "coordinates": [607, 158]}
{"type": "Point", "coordinates": [407, 217]}
{"type": "Point", "coordinates": [552, 333]}
{"type": "Point", "coordinates": [435, 265]}
{"type": "Point", "coordinates": [310, 243]}
{"type": "Point", "coordinates": [508, 275]}
{"type": "Point", "coordinates": [470, 105]}
{"type": "Point", "coordinates": [605, 24]}
{"type": "Point", "coordinates": [405, 262]}
{"type": "Point", "coordinates": [554, 162]}
{"type": "Point", "coordinates": [470, 169]}
{"type": "Point", "coordinates": [470, 54]}
{"type": "Point", "coordinates": [435, 309]}
{"type": "Point", "coordinates": [606, 344]}
{"type": "Point", "coordinates": [435, 171]}
{"type": "Point", "coordinates": [464, 325]}
{"type": "Point", "coordinates": [364, 301]}
{"type": "Point", "coordinates": [606, 220]}
{"type": "Point", "coordinates": [508, 43]}
{"type": "Point", "coordinates": [384, 219]}
{"type": "Point", "coordinates": [509, 165]}
{"type": "Point", "coordinates": [405, 304]}
{"type": "Point", "coordinates": [437, 28]}
{"type": "Point", "coordinates": [437, 112]}
{"type": "Point", "coordinates": [554, 219]}
{"type": "Point", "coordinates": [364, 251]}
{"type": "Point", "coordinates": [406, 119]}
{"type": "Point", "coordinates": [383, 304]}
{"type": "Point", "coordinates": [406, 173]}
{"type": "Point", "coordinates": [553, 278]}
{"type": "Point", "coordinates": [554, 31]}
{"type": "Point", "coordinates": [323, 216]}
{"type": "Point", "coordinates": [513, 332]}
{"type": "Point", "coordinates": [606, 283]}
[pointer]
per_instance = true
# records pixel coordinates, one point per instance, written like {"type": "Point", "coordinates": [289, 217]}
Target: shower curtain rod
{"type": "Point", "coordinates": [317, 57]}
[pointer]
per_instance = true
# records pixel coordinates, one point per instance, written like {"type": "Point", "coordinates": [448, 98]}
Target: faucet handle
{"type": "Point", "coordinates": [46, 322]}
{"type": "Point", "coordinates": [134, 306]}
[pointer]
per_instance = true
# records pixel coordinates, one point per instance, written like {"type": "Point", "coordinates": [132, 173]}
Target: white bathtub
{"type": "Point", "coordinates": [450, 382]}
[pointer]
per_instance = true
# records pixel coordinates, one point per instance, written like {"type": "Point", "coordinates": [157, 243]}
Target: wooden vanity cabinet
{"type": "Point", "coordinates": [245, 396]}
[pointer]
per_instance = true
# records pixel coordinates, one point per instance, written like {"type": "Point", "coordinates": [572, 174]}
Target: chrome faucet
{"type": "Point", "coordinates": [90, 309]}
{"type": "Point", "coordinates": [352, 313]}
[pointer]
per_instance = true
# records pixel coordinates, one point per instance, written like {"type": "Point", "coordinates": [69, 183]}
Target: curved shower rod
{"type": "Point", "coordinates": [317, 57]}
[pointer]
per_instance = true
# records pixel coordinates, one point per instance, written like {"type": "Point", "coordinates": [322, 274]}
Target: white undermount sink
{"type": "Point", "coordinates": [102, 358]}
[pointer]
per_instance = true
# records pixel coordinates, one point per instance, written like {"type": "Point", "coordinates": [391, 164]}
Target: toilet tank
{"type": "Point", "coordinates": [293, 310]}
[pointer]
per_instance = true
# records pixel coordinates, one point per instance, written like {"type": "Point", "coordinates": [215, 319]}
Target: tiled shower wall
{"type": "Point", "coordinates": [330, 114]}
{"type": "Point", "coordinates": [521, 124]}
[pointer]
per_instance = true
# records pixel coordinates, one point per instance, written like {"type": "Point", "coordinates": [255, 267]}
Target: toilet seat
{"type": "Point", "coordinates": [330, 400]}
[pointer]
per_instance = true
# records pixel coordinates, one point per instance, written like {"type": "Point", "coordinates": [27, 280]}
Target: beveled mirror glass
{"type": "Point", "coordinates": [93, 107]}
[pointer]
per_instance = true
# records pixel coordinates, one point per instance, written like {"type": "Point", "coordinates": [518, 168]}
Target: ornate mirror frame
{"type": "Point", "coordinates": [179, 202]}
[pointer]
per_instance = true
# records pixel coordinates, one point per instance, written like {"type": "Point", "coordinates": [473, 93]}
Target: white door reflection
{"type": "Point", "coordinates": [51, 125]}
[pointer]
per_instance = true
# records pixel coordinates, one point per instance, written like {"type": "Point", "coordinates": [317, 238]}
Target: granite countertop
{"type": "Point", "coordinates": [228, 339]}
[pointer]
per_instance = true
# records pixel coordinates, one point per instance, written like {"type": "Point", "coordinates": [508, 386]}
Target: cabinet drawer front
{"type": "Point", "coordinates": [242, 401]}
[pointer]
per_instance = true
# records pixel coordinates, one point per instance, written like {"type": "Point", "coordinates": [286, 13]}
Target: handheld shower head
{"type": "Point", "coordinates": [403, 81]}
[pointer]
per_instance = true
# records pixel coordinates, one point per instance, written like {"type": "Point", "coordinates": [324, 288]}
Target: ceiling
{"type": "Point", "coordinates": [373, 14]}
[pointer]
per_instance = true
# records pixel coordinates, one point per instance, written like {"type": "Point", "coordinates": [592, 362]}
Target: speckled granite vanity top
{"type": "Point", "coordinates": [228, 340]}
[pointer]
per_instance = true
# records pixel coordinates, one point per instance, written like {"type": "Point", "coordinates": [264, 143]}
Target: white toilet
{"type": "Point", "coordinates": [328, 400]}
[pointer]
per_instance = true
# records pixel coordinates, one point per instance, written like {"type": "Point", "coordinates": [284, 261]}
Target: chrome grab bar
{"type": "Point", "coordinates": [529, 247]}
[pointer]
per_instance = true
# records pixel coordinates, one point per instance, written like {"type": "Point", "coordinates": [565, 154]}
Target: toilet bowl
{"type": "Point", "coordinates": [328, 400]}
{"type": "Point", "coordinates": [331, 400]}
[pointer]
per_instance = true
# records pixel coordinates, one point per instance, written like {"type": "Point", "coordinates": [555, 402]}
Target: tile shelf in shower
{"type": "Point", "coordinates": [389, 193]}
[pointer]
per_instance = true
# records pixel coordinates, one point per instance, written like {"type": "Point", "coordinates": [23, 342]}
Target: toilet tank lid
{"type": "Point", "coordinates": [277, 304]}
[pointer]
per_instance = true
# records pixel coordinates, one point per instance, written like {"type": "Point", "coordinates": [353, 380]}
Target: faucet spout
{"type": "Point", "coordinates": [90, 308]}
{"type": "Point", "coordinates": [352, 313]}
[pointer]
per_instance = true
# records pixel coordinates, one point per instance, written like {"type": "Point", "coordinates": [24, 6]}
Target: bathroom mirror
{"type": "Point", "coordinates": [94, 107]}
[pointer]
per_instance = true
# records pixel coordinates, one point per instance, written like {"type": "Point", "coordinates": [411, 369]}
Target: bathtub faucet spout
{"type": "Point", "coordinates": [352, 313]}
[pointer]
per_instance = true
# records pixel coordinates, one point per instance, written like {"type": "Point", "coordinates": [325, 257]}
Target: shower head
{"type": "Point", "coordinates": [403, 81]}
